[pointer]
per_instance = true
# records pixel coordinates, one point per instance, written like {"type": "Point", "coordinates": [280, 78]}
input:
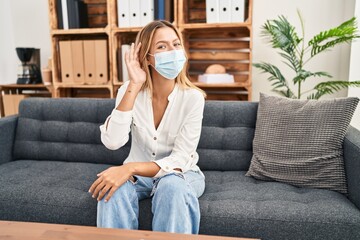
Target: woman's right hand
{"type": "Point", "coordinates": [136, 74]}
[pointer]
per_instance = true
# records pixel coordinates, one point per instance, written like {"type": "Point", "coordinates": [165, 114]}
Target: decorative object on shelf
{"type": "Point", "coordinates": [216, 73]}
{"type": "Point", "coordinates": [46, 76]}
{"type": "Point", "coordinates": [215, 69]}
{"type": "Point", "coordinates": [29, 70]}
{"type": "Point", "coordinates": [282, 35]}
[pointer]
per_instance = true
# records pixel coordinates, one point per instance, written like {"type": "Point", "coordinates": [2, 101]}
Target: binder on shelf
{"type": "Point", "coordinates": [59, 15]}
{"type": "Point", "coordinates": [124, 71]}
{"type": "Point", "coordinates": [77, 14]}
{"type": "Point", "coordinates": [237, 10]}
{"type": "Point", "coordinates": [225, 11]}
{"type": "Point", "coordinates": [135, 13]}
{"type": "Point", "coordinates": [159, 9]}
{"type": "Point", "coordinates": [64, 11]}
{"type": "Point", "coordinates": [77, 56]}
{"type": "Point", "coordinates": [146, 11]}
{"type": "Point", "coordinates": [123, 7]}
{"type": "Point", "coordinates": [212, 11]}
{"type": "Point", "coordinates": [66, 62]}
{"type": "Point", "coordinates": [169, 6]}
{"type": "Point", "coordinates": [89, 61]}
{"type": "Point", "coordinates": [101, 61]}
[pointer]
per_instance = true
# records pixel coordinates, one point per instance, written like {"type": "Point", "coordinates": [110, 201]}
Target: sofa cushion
{"type": "Point", "coordinates": [232, 205]}
{"type": "Point", "coordinates": [300, 141]}
{"type": "Point", "coordinates": [48, 191]}
{"type": "Point", "coordinates": [236, 205]}
{"type": "Point", "coordinates": [65, 130]}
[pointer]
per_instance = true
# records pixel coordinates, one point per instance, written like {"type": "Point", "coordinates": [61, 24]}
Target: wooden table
{"type": "Point", "coordinates": [44, 231]}
{"type": "Point", "coordinates": [41, 89]}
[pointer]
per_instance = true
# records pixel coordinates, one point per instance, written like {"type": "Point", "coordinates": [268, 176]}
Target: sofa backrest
{"type": "Point", "coordinates": [67, 129]}
{"type": "Point", "coordinates": [226, 136]}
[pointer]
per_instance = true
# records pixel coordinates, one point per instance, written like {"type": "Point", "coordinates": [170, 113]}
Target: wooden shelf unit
{"type": "Point", "coordinates": [22, 90]}
{"type": "Point", "coordinates": [97, 10]}
{"type": "Point", "coordinates": [229, 44]}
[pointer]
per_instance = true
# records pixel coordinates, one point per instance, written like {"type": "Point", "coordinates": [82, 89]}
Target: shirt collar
{"type": "Point", "coordinates": [173, 93]}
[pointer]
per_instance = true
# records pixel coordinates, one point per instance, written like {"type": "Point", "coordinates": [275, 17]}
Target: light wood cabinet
{"type": "Point", "coordinates": [228, 44]}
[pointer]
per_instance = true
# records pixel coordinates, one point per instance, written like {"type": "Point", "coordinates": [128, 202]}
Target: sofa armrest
{"type": "Point", "coordinates": [352, 164]}
{"type": "Point", "coordinates": [7, 137]}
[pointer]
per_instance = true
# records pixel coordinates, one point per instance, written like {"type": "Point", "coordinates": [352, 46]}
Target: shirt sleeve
{"type": "Point", "coordinates": [184, 155]}
{"type": "Point", "coordinates": [115, 130]}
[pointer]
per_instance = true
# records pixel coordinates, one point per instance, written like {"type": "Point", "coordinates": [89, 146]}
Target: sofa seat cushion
{"type": "Point", "coordinates": [48, 191]}
{"type": "Point", "coordinates": [236, 205]}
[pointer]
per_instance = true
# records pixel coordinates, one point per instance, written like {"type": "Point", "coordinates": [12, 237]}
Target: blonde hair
{"type": "Point", "coordinates": [145, 36]}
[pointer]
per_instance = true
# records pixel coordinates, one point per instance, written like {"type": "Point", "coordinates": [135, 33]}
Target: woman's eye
{"type": "Point", "coordinates": [177, 44]}
{"type": "Point", "coordinates": [161, 47]}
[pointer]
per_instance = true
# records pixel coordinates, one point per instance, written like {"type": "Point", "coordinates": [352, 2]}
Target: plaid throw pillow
{"type": "Point", "coordinates": [299, 142]}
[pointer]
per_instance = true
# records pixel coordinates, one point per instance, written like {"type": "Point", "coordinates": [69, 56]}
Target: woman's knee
{"type": "Point", "coordinates": [173, 185]}
{"type": "Point", "coordinates": [125, 192]}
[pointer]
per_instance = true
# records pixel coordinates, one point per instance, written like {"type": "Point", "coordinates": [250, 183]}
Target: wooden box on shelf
{"type": "Point", "coordinates": [228, 44]}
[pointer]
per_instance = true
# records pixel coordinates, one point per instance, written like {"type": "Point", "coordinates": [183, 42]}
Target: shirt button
{"type": "Point", "coordinates": [153, 154]}
{"type": "Point", "coordinates": [155, 138]}
{"type": "Point", "coordinates": [167, 168]}
{"type": "Point", "coordinates": [192, 155]}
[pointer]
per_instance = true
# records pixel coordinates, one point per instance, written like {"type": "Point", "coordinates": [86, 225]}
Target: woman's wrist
{"type": "Point", "coordinates": [145, 169]}
{"type": "Point", "coordinates": [134, 87]}
{"type": "Point", "coordinates": [131, 168]}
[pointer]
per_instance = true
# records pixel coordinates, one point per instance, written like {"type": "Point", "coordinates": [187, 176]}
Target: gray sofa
{"type": "Point", "coordinates": [51, 152]}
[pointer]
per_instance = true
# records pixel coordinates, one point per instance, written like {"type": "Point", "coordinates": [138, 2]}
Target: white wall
{"type": "Point", "coordinates": [318, 15]}
{"type": "Point", "coordinates": [8, 58]}
{"type": "Point", "coordinates": [355, 70]}
{"type": "Point", "coordinates": [23, 23]}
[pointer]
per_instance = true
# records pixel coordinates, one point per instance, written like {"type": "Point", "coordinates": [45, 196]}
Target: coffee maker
{"type": "Point", "coordinates": [29, 70]}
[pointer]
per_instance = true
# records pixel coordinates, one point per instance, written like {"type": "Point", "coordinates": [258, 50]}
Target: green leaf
{"type": "Point", "coordinates": [345, 32]}
{"type": "Point", "coordinates": [294, 62]}
{"type": "Point", "coordinates": [282, 34]}
{"type": "Point", "coordinates": [331, 87]}
{"type": "Point", "coordinates": [276, 77]}
{"type": "Point", "coordinates": [288, 93]}
{"type": "Point", "coordinates": [302, 75]}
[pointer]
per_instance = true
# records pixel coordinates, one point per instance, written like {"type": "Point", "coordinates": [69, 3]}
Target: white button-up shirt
{"type": "Point", "coordinates": [173, 144]}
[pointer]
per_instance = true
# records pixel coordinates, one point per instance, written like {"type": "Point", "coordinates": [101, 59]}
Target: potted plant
{"type": "Point", "coordinates": [296, 54]}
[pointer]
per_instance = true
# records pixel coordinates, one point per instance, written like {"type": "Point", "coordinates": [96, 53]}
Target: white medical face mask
{"type": "Point", "coordinates": [170, 63]}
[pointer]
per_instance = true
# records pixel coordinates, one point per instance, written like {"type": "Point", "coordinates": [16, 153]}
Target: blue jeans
{"type": "Point", "coordinates": [175, 204]}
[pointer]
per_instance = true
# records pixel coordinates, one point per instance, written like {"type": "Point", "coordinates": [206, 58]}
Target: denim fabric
{"type": "Point", "coordinates": [175, 204]}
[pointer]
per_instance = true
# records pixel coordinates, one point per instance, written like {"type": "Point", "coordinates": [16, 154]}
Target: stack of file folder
{"type": "Point", "coordinates": [225, 11]}
{"type": "Point", "coordinates": [138, 13]}
{"type": "Point", "coordinates": [84, 61]}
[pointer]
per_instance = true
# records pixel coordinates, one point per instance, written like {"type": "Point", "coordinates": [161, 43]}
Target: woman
{"type": "Point", "coordinates": [163, 110]}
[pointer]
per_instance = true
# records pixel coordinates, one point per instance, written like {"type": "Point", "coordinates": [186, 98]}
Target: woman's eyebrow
{"type": "Point", "coordinates": [163, 41]}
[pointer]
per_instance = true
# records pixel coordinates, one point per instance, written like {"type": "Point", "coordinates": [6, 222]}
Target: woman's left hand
{"type": "Point", "coordinates": [109, 180]}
